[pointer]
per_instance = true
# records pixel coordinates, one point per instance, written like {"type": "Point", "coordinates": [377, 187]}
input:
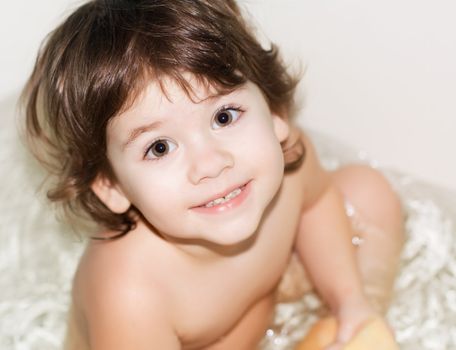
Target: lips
{"type": "Point", "coordinates": [223, 197]}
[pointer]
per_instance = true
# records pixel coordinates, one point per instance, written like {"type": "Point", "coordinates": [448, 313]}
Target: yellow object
{"type": "Point", "coordinates": [375, 335]}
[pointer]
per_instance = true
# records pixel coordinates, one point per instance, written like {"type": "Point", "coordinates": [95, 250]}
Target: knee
{"type": "Point", "coordinates": [371, 193]}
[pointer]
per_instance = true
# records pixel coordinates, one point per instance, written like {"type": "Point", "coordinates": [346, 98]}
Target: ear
{"type": "Point", "coordinates": [110, 194]}
{"type": "Point", "coordinates": [281, 128]}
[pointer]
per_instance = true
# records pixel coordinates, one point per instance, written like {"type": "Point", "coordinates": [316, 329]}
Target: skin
{"type": "Point", "coordinates": [187, 279]}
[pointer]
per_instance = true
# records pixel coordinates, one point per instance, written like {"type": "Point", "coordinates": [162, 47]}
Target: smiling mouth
{"type": "Point", "coordinates": [224, 199]}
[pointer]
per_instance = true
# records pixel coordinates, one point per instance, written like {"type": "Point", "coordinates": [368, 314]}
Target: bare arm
{"type": "Point", "coordinates": [324, 246]}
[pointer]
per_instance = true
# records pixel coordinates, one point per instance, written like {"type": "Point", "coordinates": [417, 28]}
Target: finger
{"type": "Point", "coordinates": [335, 346]}
{"type": "Point", "coordinates": [345, 333]}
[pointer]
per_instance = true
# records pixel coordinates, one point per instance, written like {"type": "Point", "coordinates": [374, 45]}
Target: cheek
{"type": "Point", "coordinates": [148, 190]}
{"type": "Point", "coordinates": [269, 158]}
{"type": "Point", "coordinates": [162, 187]}
{"type": "Point", "coordinates": [158, 207]}
{"type": "Point", "coordinates": [263, 145]}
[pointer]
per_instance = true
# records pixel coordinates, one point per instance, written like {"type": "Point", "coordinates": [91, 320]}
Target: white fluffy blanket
{"type": "Point", "coordinates": [38, 256]}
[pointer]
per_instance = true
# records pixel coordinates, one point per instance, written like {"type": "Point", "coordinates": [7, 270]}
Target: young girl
{"type": "Point", "coordinates": [170, 126]}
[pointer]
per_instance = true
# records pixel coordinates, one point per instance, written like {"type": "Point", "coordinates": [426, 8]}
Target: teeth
{"type": "Point", "coordinates": [221, 200]}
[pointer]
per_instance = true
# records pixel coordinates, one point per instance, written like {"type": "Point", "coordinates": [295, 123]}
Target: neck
{"type": "Point", "coordinates": [199, 248]}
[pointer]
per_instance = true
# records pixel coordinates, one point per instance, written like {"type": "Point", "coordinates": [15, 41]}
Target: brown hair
{"type": "Point", "coordinates": [98, 61]}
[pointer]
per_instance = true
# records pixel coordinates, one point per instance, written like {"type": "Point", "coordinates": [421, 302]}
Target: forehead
{"type": "Point", "coordinates": [168, 90]}
{"type": "Point", "coordinates": [196, 89]}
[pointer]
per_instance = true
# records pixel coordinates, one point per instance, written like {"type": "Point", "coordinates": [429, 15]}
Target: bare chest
{"type": "Point", "coordinates": [211, 299]}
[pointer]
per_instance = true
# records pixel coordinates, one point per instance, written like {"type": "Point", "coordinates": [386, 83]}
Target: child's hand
{"type": "Point", "coordinates": [351, 317]}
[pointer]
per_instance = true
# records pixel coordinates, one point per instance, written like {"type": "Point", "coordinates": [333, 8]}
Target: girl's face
{"type": "Point", "coordinates": [204, 167]}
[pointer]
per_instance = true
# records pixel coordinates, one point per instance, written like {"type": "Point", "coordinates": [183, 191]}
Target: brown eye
{"type": "Point", "coordinates": [223, 118]}
{"type": "Point", "coordinates": [226, 117]}
{"type": "Point", "coordinates": [159, 149]}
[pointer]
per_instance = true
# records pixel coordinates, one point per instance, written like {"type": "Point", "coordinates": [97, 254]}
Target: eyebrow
{"type": "Point", "coordinates": [136, 132]}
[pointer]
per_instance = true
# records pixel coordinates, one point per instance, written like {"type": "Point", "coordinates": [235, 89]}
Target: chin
{"type": "Point", "coordinates": [233, 238]}
{"type": "Point", "coordinates": [238, 232]}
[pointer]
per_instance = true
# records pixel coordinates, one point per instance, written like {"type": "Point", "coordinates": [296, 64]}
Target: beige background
{"type": "Point", "coordinates": [380, 75]}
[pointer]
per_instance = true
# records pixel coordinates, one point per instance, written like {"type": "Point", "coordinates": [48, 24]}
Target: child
{"type": "Point", "coordinates": [169, 125]}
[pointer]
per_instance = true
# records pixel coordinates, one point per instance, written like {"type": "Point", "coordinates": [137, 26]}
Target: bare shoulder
{"type": "Point", "coordinates": [121, 305]}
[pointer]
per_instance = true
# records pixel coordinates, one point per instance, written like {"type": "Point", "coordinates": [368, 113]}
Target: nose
{"type": "Point", "coordinates": [208, 160]}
